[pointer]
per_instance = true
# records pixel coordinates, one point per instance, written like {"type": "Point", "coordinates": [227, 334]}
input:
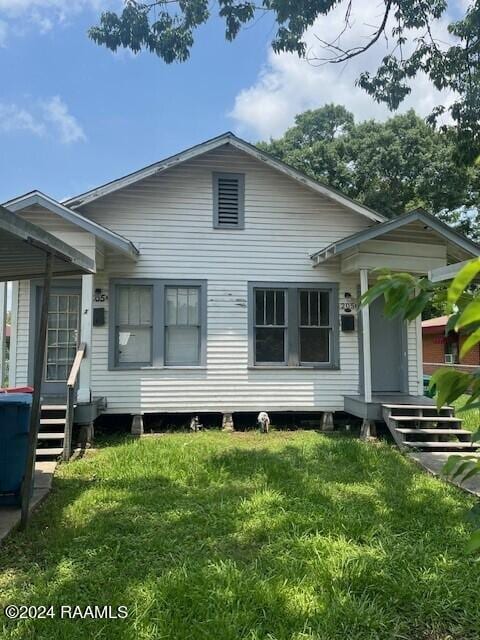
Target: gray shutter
{"type": "Point", "coordinates": [228, 200]}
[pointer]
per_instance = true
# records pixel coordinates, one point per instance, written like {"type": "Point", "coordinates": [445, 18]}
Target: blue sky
{"type": "Point", "coordinates": [74, 115]}
{"type": "Point", "coordinates": [125, 111]}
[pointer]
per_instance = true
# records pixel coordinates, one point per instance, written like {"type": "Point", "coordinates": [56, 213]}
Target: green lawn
{"type": "Point", "coordinates": [214, 536]}
{"type": "Point", "coordinates": [471, 418]}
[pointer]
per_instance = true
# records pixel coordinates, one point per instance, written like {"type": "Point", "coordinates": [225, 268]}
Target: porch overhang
{"type": "Point", "coordinates": [114, 241]}
{"type": "Point", "coordinates": [23, 247]}
{"type": "Point", "coordinates": [416, 242]}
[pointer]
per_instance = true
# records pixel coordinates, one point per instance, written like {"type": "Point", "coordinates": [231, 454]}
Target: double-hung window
{"type": "Point", "coordinates": [270, 326]}
{"type": "Point", "coordinates": [182, 326]}
{"type": "Point", "coordinates": [294, 325]}
{"type": "Point", "coordinates": [315, 327]}
{"type": "Point", "coordinates": [157, 323]}
{"type": "Point", "coordinates": [133, 324]}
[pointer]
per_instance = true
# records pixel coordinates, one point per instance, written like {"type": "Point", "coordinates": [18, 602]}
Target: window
{"type": "Point", "coordinates": [134, 324]}
{"type": "Point", "coordinates": [270, 327]}
{"type": "Point", "coordinates": [294, 325]}
{"type": "Point", "coordinates": [228, 200]}
{"type": "Point", "coordinates": [182, 326]}
{"type": "Point", "coordinates": [452, 351]}
{"type": "Point", "coordinates": [157, 323]}
{"type": "Point", "coordinates": [314, 327]}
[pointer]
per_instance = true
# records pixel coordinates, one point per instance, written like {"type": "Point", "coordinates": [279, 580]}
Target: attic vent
{"type": "Point", "coordinates": [228, 200]}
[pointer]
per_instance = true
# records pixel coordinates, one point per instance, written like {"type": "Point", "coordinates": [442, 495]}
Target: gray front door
{"type": "Point", "coordinates": [388, 351]}
{"type": "Point", "coordinates": [63, 331]}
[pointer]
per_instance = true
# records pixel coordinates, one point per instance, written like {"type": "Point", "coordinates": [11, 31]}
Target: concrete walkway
{"type": "Point", "coordinates": [434, 461]}
{"type": "Point", "coordinates": [10, 516]}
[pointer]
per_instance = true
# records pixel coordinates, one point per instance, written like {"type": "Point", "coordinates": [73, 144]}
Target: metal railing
{"type": "Point", "coordinates": [71, 382]}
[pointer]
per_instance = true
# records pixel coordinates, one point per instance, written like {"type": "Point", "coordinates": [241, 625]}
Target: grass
{"type": "Point", "coordinates": [471, 417]}
{"type": "Point", "coordinates": [290, 536]}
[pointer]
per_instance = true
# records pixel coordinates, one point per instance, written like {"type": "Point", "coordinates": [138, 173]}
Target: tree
{"type": "Point", "coordinates": [390, 166]}
{"type": "Point", "coordinates": [167, 27]}
{"type": "Point", "coordinates": [406, 296]}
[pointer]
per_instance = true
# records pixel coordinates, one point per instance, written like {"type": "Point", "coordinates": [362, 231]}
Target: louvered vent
{"type": "Point", "coordinates": [229, 200]}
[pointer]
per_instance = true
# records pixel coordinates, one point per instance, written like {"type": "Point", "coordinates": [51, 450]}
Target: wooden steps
{"type": "Point", "coordinates": [51, 435]}
{"type": "Point", "coordinates": [423, 427]}
{"type": "Point", "coordinates": [434, 431]}
{"type": "Point", "coordinates": [425, 419]}
{"type": "Point", "coordinates": [444, 446]}
{"type": "Point", "coordinates": [49, 453]}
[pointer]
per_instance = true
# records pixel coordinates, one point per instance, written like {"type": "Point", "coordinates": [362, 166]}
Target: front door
{"type": "Point", "coordinates": [63, 331]}
{"type": "Point", "coordinates": [388, 351]}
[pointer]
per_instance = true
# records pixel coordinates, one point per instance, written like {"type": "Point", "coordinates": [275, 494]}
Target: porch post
{"type": "Point", "coordinates": [419, 340]}
{"type": "Point", "coordinates": [86, 320]}
{"type": "Point", "coordinates": [39, 363]}
{"type": "Point", "coordinates": [3, 337]}
{"type": "Point", "coordinates": [367, 365]}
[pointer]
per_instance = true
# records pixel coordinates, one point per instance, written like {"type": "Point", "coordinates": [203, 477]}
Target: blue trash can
{"type": "Point", "coordinates": [14, 426]}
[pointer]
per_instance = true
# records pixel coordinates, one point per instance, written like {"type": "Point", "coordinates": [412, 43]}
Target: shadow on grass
{"type": "Point", "coordinates": [310, 538]}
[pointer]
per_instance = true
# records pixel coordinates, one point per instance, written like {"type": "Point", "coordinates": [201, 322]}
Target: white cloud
{"type": "Point", "coordinates": [66, 125]}
{"type": "Point", "coordinates": [14, 118]}
{"type": "Point", "coordinates": [45, 14]}
{"type": "Point", "coordinates": [288, 85]}
{"type": "Point", "coordinates": [50, 118]}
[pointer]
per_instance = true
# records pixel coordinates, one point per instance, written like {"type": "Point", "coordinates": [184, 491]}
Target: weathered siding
{"type": "Point", "coordinates": [20, 323]}
{"type": "Point", "coordinates": [169, 218]}
{"type": "Point", "coordinates": [62, 229]}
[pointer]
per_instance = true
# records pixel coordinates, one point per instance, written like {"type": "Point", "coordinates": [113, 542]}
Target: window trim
{"type": "Point", "coordinates": [292, 357]}
{"type": "Point", "coordinates": [158, 322]}
{"type": "Point", "coordinates": [216, 175]}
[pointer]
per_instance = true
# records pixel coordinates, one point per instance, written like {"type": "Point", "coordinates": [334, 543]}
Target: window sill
{"type": "Point", "coordinates": [284, 367]}
{"type": "Point", "coordinates": [155, 368]}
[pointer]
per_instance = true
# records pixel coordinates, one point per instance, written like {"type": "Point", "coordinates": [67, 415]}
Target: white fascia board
{"type": "Point", "coordinates": [210, 145]}
{"type": "Point", "coordinates": [111, 238]}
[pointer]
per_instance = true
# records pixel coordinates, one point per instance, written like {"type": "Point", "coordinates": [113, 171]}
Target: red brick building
{"type": "Point", "coordinates": [440, 350]}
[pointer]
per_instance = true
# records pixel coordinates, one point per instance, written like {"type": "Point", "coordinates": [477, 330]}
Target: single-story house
{"type": "Point", "coordinates": [226, 281]}
{"type": "Point", "coordinates": [443, 350]}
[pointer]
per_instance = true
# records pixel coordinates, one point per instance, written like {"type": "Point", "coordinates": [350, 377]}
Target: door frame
{"type": "Point", "coordinates": [73, 286]}
{"type": "Point", "coordinates": [403, 358]}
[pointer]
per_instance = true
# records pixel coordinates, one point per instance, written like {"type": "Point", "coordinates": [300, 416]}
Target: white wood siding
{"type": "Point", "coordinates": [169, 218]}
{"type": "Point", "coordinates": [62, 229]}
{"type": "Point", "coordinates": [20, 324]}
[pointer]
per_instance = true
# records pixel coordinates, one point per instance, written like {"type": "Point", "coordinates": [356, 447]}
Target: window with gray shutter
{"type": "Point", "coordinates": [228, 200]}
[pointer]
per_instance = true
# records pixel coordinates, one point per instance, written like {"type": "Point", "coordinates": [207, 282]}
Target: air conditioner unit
{"type": "Point", "coordinates": [449, 358]}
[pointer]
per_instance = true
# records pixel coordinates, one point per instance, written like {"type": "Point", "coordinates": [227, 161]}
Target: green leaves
{"type": "Point", "coordinates": [469, 343]}
{"type": "Point", "coordinates": [166, 28]}
{"type": "Point", "coordinates": [462, 280]}
{"type": "Point", "coordinates": [400, 293]}
{"type": "Point", "coordinates": [450, 385]}
{"type": "Point", "coordinates": [473, 545]}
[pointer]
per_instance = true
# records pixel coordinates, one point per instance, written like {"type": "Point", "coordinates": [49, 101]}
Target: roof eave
{"type": "Point", "coordinates": [440, 227]}
{"type": "Point", "coordinates": [112, 239]}
{"type": "Point", "coordinates": [210, 145]}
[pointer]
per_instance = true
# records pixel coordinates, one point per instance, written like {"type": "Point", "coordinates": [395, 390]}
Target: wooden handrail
{"type": "Point", "coordinates": [72, 378]}
{"type": "Point", "coordinates": [71, 382]}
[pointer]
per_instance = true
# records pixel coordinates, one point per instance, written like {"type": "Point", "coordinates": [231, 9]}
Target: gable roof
{"type": "Point", "coordinates": [110, 238]}
{"type": "Point", "coordinates": [210, 145]}
{"type": "Point", "coordinates": [25, 245]}
{"type": "Point", "coordinates": [430, 221]}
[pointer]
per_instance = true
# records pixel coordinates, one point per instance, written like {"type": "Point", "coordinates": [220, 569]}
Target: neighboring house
{"type": "Point", "coordinates": [440, 350]}
{"type": "Point", "coordinates": [226, 281]}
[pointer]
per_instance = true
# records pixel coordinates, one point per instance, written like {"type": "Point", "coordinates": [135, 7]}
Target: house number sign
{"type": "Point", "coordinates": [100, 296]}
